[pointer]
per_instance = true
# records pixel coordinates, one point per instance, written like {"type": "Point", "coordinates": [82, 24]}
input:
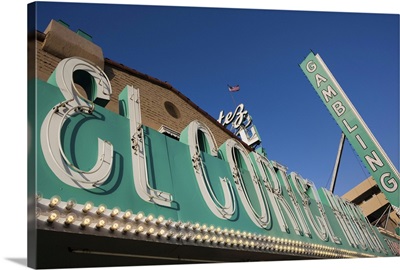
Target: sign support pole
{"type": "Point", "coordinates": [337, 163]}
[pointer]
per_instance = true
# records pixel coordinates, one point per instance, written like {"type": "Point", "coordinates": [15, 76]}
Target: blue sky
{"type": "Point", "coordinates": [201, 50]}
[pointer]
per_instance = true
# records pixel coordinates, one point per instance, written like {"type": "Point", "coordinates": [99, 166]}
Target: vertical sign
{"type": "Point", "coordinates": [367, 147]}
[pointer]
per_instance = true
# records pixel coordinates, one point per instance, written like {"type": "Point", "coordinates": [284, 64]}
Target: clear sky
{"type": "Point", "coordinates": [201, 50]}
{"type": "Point", "coordinates": [261, 53]}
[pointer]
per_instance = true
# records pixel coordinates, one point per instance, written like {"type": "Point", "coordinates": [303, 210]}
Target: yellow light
{"type": "Point", "coordinates": [232, 232]}
{"type": "Point", "coordinates": [150, 231]}
{"type": "Point", "coordinates": [238, 233]}
{"type": "Point", "coordinates": [161, 232]}
{"type": "Point", "coordinates": [149, 218]}
{"type": "Point", "coordinates": [70, 219]}
{"type": "Point", "coordinates": [114, 226]}
{"type": "Point", "coordinates": [127, 214]}
{"type": "Point", "coordinates": [139, 216]}
{"type": "Point", "coordinates": [128, 227]}
{"type": "Point", "coordinates": [204, 227]}
{"type": "Point", "coordinates": [53, 216]}
{"type": "Point", "coordinates": [211, 228]}
{"type": "Point", "coordinates": [101, 223]}
{"type": "Point", "coordinates": [213, 239]}
{"type": "Point", "coordinates": [101, 209]}
{"type": "Point", "coordinates": [54, 201]}
{"type": "Point", "coordinates": [86, 222]}
{"type": "Point", "coordinates": [206, 237]}
{"type": "Point", "coordinates": [159, 220]}
{"type": "Point", "coordinates": [70, 204]}
{"type": "Point", "coordinates": [198, 237]}
{"type": "Point", "coordinates": [114, 212]}
{"type": "Point", "coordinates": [218, 230]}
{"type": "Point", "coordinates": [196, 226]}
{"type": "Point", "coordinates": [220, 240]}
{"type": "Point", "coordinates": [139, 229]}
{"type": "Point", "coordinates": [87, 207]}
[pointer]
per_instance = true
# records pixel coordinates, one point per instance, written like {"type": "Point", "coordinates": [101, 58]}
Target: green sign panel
{"type": "Point", "coordinates": [363, 141]}
{"type": "Point", "coordinates": [106, 174]}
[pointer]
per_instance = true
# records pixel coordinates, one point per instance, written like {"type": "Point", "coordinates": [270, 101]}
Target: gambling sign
{"type": "Point", "coordinates": [104, 174]}
{"type": "Point", "coordinates": [357, 132]}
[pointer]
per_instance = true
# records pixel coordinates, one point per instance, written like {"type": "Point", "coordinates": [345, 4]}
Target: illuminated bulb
{"type": "Point", "coordinates": [161, 232]}
{"type": "Point", "coordinates": [218, 230]}
{"type": "Point", "coordinates": [150, 231]}
{"type": "Point", "coordinates": [114, 226]}
{"type": "Point", "coordinates": [203, 228]}
{"type": "Point", "coordinates": [114, 212]}
{"type": "Point", "coordinates": [228, 241]}
{"type": "Point", "coordinates": [213, 239]}
{"type": "Point", "coordinates": [86, 208]}
{"type": "Point", "coordinates": [225, 231]}
{"type": "Point", "coordinates": [139, 216]}
{"type": "Point", "coordinates": [198, 237]}
{"type": "Point", "coordinates": [206, 237]}
{"type": "Point", "coordinates": [232, 232]}
{"type": "Point", "coordinates": [53, 216]}
{"type": "Point", "coordinates": [70, 204]}
{"type": "Point", "coordinates": [234, 242]}
{"type": "Point", "coordinates": [240, 242]}
{"type": "Point", "coordinates": [220, 240]}
{"type": "Point", "coordinates": [237, 233]}
{"type": "Point", "coordinates": [139, 229]}
{"type": "Point", "coordinates": [54, 201]}
{"type": "Point", "coordinates": [101, 209]}
{"type": "Point", "coordinates": [196, 226]}
{"type": "Point", "coordinates": [128, 227]}
{"type": "Point", "coordinates": [149, 218]}
{"type": "Point", "coordinates": [101, 223]}
{"type": "Point", "coordinates": [246, 243]}
{"type": "Point", "coordinates": [127, 214]}
{"type": "Point", "coordinates": [159, 220]}
{"type": "Point", "coordinates": [244, 234]}
{"type": "Point", "coordinates": [70, 219]}
{"type": "Point", "coordinates": [86, 222]}
{"type": "Point", "coordinates": [252, 244]}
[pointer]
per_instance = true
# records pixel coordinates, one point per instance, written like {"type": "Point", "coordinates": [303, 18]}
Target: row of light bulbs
{"type": "Point", "coordinates": [73, 215]}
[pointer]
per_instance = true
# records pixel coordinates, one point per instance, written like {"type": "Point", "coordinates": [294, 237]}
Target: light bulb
{"type": "Point", "coordinates": [159, 220]}
{"type": "Point", "coordinates": [114, 212]}
{"type": "Point", "coordinates": [86, 222]}
{"type": "Point", "coordinates": [53, 216]}
{"type": "Point", "coordinates": [114, 226]}
{"type": "Point", "coordinates": [54, 201]}
{"type": "Point", "coordinates": [70, 204]}
{"type": "Point", "coordinates": [149, 218]}
{"type": "Point", "coordinates": [128, 227]}
{"type": "Point", "coordinates": [101, 223]}
{"type": "Point", "coordinates": [101, 209]}
{"type": "Point", "coordinates": [87, 207]}
{"type": "Point", "coordinates": [139, 216]}
{"type": "Point", "coordinates": [70, 219]}
{"type": "Point", "coordinates": [127, 214]}
{"type": "Point", "coordinates": [150, 231]}
{"type": "Point", "coordinates": [139, 229]}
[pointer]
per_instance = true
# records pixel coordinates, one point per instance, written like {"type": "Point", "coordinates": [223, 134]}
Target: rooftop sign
{"type": "Point", "coordinates": [357, 132]}
{"type": "Point", "coordinates": [104, 174]}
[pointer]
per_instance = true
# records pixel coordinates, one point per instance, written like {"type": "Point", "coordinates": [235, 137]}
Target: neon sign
{"type": "Point", "coordinates": [105, 174]}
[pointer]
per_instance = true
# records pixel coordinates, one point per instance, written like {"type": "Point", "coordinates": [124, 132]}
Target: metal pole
{"type": "Point", "coordinates": [337, 163]}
